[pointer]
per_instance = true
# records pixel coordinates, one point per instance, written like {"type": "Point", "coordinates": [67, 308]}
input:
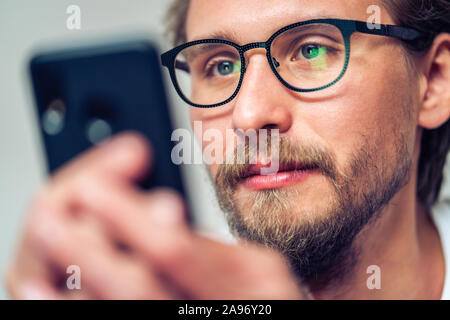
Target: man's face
{"type": "Point", "coordinates": [359, 133]}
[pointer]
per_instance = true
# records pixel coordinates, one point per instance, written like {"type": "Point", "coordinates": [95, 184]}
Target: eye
{"type": "Point", "coordinates": [312, 51]}
{"type": "Point", "coordinates": [225, 68]}
{"type": "Point", "coordinates": [221, 68]}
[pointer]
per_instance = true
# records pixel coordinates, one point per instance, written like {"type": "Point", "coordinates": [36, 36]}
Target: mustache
{"type": "Point", "coordinates": [291, 155]}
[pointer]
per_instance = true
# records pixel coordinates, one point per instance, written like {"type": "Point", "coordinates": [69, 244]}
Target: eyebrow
{"type": "Point", "coordinates": [233, 36]}
{"type": "Point", "coordinates": [308, 27]}
{"type": "Point", "coordinates": [205, 48]}
{"type": "Point", "coordinates": [222, 35]}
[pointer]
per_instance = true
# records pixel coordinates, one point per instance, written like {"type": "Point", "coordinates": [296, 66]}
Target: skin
{"type": "Point", "coordinates": [91, 202]}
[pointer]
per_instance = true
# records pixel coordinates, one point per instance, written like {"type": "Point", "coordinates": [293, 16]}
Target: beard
{"type": "Point", "coordinates": [318, 241]}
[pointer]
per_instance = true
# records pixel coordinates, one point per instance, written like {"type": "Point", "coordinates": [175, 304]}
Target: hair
{"type": "Point", "coordinates": [176, 21]}
{"type": "Point", "coordinates": [429, 16]}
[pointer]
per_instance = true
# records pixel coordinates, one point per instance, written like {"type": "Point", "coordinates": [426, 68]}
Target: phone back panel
{"type": "Point", "coordinates": [85, 93]}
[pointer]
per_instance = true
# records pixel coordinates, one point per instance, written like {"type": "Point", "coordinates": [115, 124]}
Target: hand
{"type": "Point", "coordinates": [131, 244]}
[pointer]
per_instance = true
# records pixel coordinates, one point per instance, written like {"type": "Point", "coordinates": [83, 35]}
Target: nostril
{"type": "Point", "coordinates": [270, 126]}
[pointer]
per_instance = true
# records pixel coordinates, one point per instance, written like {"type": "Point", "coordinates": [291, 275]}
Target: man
{"type": "Point", "coordinates": [363, 137]}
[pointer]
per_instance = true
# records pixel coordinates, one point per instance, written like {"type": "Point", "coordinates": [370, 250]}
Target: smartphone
{"type": "Point", "coordinates": [87, 94]}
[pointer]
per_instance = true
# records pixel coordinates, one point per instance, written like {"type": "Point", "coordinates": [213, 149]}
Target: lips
{"type": "Point", "coordinates": [287, 175]}
{"type": "Point", "coordinates": [256, 170]}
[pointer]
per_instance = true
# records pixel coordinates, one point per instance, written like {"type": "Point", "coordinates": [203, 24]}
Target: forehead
{"type": "Point", "coordinates": [256, 20]}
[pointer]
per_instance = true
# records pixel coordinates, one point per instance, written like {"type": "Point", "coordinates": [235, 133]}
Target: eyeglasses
{"type": "Point", "coordinates": [306, 56]}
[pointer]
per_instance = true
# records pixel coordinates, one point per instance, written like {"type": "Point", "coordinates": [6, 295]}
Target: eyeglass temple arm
{"type": "Point", "coordinates": [166, 58]}
{"type": "Point", "coordinates": [402, 33]}
{"type": "Point", "coordinates": [182, 66]}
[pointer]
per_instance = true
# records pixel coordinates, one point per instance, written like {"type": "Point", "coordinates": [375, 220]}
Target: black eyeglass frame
{"type": "Point", "coordinates": [347, 28]}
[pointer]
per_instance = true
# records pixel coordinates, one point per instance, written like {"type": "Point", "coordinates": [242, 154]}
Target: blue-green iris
{"type": "Point", "coordinates": [225, 68]}
{"type": "Point", "coordinates": [312, 51]}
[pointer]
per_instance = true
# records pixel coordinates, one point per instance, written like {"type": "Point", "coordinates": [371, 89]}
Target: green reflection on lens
{"type": "Point", "coordinates": [320, 60]}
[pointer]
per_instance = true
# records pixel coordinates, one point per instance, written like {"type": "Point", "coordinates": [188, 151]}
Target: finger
{"type": "Point", "coordinates": [30, 271]}
{"type": "Point", "coordinates": [113, 157]}
{"type": "Point", "coordinates": [157, 231]}
{"type": "Point", "coordinates": [124, 157]}
{"type": "Point", "coordinates": [106, 272]}
{"type": "Point", "coordinates": [42, 289]}
{"type": "Point", "coordinates": [148, 223]}
{"type": "Point", "coordinates": [153, 226]}
{"type": "Point", "coordinates": [249, 272]}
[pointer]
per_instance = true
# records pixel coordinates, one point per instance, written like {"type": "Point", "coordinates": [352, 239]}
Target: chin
{"type": "Point", "coordinates": [291, 204]}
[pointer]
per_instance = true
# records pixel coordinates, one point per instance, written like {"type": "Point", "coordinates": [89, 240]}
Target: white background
{"type": "Point", "coordinates": [23, 24]}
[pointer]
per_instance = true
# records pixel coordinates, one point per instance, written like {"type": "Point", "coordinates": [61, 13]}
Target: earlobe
{"type": "Point", "coordinates": [435, 108]}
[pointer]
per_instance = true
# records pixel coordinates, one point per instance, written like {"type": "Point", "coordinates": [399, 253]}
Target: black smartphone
{"type": "Point", "coordinates": [87, 94]}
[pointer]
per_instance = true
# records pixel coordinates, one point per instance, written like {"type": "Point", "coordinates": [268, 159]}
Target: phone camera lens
{"type": "Point", "coordinates": [98, 130]}
{"type": "Point", "coordinates": [53, 118]}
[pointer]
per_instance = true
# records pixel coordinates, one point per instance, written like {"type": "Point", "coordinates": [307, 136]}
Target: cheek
{"type": "Point", "coordinates": [371, 109]}
{"type": "Point", "coordinates": [208, 120]}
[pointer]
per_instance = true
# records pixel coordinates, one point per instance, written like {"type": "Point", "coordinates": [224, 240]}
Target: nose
{"type": "Point", "coordinates": [262, 102]}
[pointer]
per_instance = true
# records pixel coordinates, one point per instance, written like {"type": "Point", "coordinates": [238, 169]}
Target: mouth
{"type": "Point", "coordinates": [287, 175]}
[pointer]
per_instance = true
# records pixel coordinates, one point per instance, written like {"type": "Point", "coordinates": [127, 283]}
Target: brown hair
{"type": "Point", "coordinates": [176, 21]}
{"type": "Point", "coordinates": [429, 16]}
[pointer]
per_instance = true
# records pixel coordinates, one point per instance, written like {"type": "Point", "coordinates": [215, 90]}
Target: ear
{"type": "Point", "coordinates": [435, 107]}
